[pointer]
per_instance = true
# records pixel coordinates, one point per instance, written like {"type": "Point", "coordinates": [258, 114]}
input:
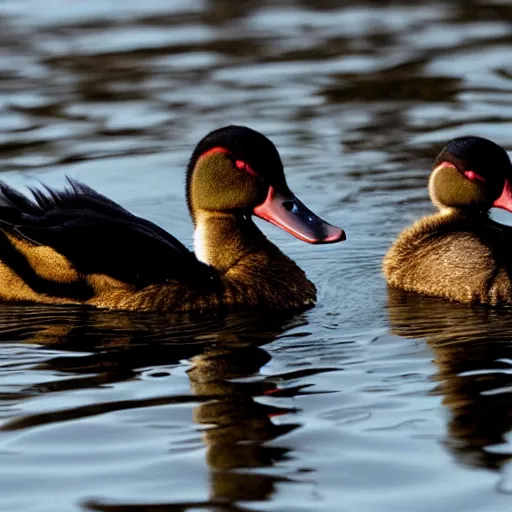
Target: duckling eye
{"type": "Point", "coordinates": [472, 175]}
{"type": "Point", "coordinates": [240, 164]}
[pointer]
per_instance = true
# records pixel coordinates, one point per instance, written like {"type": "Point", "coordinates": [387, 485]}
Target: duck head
{"type": "Point", "coordinates": [471, 173]}
{"type": "Point", "coordinates": [236, 170]}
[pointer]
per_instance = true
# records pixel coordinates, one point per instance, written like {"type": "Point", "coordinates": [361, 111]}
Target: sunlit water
{"type": "Point", "coordinates": [372, 401]}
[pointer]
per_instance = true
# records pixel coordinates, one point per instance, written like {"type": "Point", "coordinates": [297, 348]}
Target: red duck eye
{"type": "Point", "coordinates": [240, 164]}
{"type": "Point", "coordinates": [472, 175]}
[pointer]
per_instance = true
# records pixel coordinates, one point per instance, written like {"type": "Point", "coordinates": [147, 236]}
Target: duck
{"type": "Point", "coordinates": [459, 253]}
{"type": "Point", "coordinates": [77, 246]}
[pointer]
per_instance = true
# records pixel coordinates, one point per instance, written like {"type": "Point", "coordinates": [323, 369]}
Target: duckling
{"type": "Point", "coordinates": [77, 246]}
{"type": "Point", "coordinates": [459, 253]}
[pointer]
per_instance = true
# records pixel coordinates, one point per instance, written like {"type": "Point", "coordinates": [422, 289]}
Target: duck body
{"type": "Point", "coordinates": [459, 253]}
{"type": "Point", "coordinates": [453, 255]}
{"type": "Point", "coordinates": [77, 246]}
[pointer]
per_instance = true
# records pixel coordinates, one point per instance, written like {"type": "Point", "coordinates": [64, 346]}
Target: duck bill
{"type": "Point", "coordinates": [290, 214]}
{"type": "Point", "coordinates": [505, 200]}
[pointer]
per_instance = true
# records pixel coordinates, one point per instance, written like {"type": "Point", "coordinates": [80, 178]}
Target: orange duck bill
{"type": "Point", "coordinates": [286, 211]}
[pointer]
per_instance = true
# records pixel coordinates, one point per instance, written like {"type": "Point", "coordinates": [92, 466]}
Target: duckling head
{"type": "Point", "coordinates": [471, 173]}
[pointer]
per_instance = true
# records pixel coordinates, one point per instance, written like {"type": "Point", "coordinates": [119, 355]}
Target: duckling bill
{"type": "Point", "coordinates": [459, 253]}
{"type": "Point", "coordinates": [77, 246]}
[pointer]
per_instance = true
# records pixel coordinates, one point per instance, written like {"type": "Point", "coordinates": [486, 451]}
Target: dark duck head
{"type": "Point", "coordinates": [236, 172]}
{"type": "Point", "coordinates": [471, 174]}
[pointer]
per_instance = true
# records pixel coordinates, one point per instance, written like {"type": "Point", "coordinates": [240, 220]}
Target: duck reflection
{"type": "Point", "coordinates": [226, 355]}
{"type": "Point", "coordinates": [240, 424]}
{"type": "Point", "coordinates": [473, 353]}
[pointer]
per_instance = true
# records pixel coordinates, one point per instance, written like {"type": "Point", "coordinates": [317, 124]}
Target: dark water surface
{"type": "Point", "coordinates": [374, 400]}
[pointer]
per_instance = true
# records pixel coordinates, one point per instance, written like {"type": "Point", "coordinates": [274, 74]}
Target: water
{"type": "Point", "coordinates": [372, 401]}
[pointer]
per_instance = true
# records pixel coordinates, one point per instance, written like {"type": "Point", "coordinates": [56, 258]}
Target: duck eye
{"type": "Point", "coordinates": [240, 164]}
{"type": "Point", "coordinates": [473, 176]}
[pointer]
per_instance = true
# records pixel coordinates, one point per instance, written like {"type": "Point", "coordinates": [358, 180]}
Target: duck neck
{"type": "Point", "coordinates": [453, 212]}
{"type": "Point", "coordinates": [448, 219]}
{"type": "Point", "coordinates": [223, 239]}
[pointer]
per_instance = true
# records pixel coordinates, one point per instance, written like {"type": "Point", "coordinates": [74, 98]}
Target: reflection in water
{"type": "Point", "coordinates": [241, 426]}
{"type": "Point", "coordinates": [473, 353]}
{"type": "Point", "coordinates": [223, 352]}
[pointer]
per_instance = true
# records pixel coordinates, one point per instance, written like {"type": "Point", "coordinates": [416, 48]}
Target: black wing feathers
{"type": "Point", "coordinates": [97, 235]}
